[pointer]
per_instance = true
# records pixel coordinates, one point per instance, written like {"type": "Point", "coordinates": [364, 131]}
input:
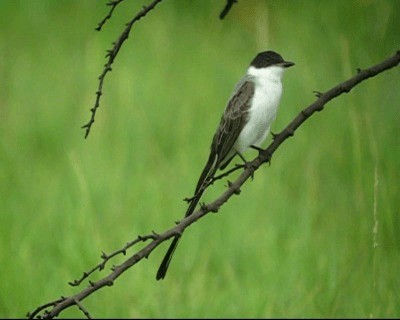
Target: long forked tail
{"type": "Point", "coordinates": [208, 171]}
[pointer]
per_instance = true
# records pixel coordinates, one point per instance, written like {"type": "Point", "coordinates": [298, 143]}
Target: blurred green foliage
{"type": "Point", "coordinates": [297, 242]}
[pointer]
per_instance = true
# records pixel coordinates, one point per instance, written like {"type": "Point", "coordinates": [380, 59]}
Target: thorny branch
{"type": "Point", "coordinates": [54, 308]}
{"type": "Point", "coordinates": [113, 5]}
{"type": "Point", "coordinates": [107, 257]}
{"type": "Point", "coordinates": [111, 54]}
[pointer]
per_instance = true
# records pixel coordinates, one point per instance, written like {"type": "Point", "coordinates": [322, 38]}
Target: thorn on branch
{"type": "Point", "coordinates": [140, 238]}
{"type": "Point", "coordinates": [110, 283]}
{"type": "Point", "coordinates": [318, 94]}
{"type": "Point", "coordinates": [112, 53]}
{"type": "Point", "coordinates": [236, 191]}
{"type": "Point", "coordinates": [188, 200]}
{"type": "Point", "coordinates": [73, 283]}
{"type": "Point", "coordinates": [215, 210]}
{"type": "Point", "coordinates": [203, 206]}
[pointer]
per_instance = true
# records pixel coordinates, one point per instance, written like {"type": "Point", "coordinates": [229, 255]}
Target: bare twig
{"type": "Point", "coordinates": [107, 257]}
{"type": "Point", "coordinates": [82, 308]}
{"type": "Point", "coordinates": [227, 8]}
{"type": "Point", "coordinates": [233, 188]}
{"type": "Point", "coordinates": [113, 4]}
{"type": "Point", "coordinates": [111, 54]}
{"type": "Point", "coordinates": [32, 314]}
{"type": "Point", "coordinates": [227, 173]}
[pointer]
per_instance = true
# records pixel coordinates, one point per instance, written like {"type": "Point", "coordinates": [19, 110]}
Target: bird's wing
{"type": "Point", "coordinates": [232, 123]}
{"type": "Point", "coordinates": [233, 120]}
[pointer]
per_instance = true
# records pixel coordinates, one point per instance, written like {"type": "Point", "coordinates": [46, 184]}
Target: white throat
{"type": "Point", "coordinates": [271, 73]}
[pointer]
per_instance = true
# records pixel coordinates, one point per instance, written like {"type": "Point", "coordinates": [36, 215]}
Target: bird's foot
{"type": "Point", "coordinates": [249, 166]}
{"type": "Point", "coordinates": [263, 152]}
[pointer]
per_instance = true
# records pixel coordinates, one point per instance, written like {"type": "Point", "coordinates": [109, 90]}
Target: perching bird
{"type": "Point", "coordinates": [245, 123]}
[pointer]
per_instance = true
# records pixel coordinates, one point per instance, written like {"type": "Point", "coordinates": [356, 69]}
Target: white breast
{"type": "Point", "coordinates": [268, 91]}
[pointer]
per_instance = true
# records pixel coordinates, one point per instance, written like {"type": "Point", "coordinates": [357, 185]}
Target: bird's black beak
{"type": "Point", "coordinates": [287, 64]}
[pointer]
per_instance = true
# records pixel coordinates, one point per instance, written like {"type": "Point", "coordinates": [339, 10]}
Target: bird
{"type": "Point", "coordinates": [245, 123]}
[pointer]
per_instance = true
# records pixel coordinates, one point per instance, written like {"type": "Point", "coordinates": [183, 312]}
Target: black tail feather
{"type": "Point", "coordinates": [208, 171]}
{"type": "Point", "coordinates": [162, 270]}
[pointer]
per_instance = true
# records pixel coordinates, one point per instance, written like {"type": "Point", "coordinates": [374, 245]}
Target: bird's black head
{"type": "Point", "coordinates": [270, 58]}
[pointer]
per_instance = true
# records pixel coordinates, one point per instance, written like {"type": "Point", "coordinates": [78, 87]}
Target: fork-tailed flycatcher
{"type": "Point", "coordinates": [245, 123]}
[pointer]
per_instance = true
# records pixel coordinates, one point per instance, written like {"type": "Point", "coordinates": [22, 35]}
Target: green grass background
{"type": "Point", "coordinates": [297, 242]}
